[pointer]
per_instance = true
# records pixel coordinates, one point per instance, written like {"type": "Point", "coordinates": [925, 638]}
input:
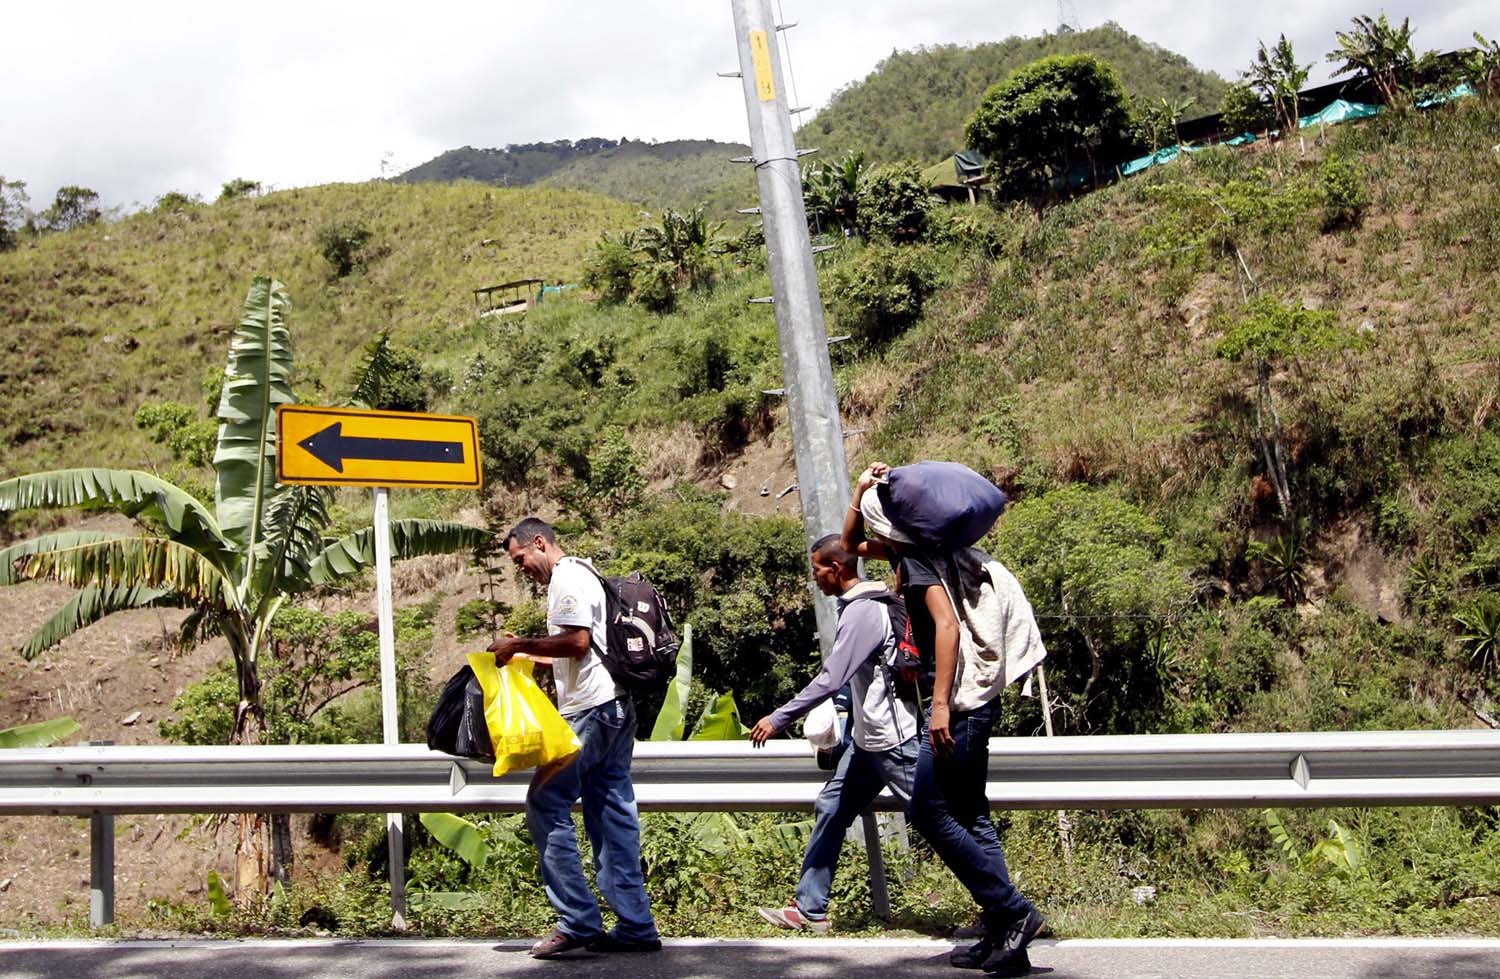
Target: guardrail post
{"type": "Point", "coordinates": [101, 869]}
{"type": "Point", "coordinates": [880, 898]}
{"type": "Point", "coordinates": [101, 865]}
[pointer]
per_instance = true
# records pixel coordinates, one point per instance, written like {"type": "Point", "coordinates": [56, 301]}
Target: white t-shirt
{"type": "Point", "coordinates": [575, 598]}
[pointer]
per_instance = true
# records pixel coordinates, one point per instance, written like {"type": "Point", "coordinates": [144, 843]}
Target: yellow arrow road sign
{"type": "Point", "coordinates": [351, 447]}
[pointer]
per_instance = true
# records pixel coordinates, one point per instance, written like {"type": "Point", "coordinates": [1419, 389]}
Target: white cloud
{"type": "Point", "coordinates": [136, 100]}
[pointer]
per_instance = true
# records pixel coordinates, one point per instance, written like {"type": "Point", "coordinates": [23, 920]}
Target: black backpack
{"type": "Point", "coordinates": [457, 723]}
{"type": "Point", "coordinates": [902, 662]}
{"type": "Point", "coordinates": [641, 651]}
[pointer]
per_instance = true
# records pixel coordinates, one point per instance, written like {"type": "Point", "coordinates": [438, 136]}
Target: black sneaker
{"type": "Point", "coordinates": [973, 957]}
{"type": "Point", "coordinates": [1009, 965]}
{"type": "Point", "coordinates": [1020, 933]}
{"type": "Point", "coordinates": [609, 942]}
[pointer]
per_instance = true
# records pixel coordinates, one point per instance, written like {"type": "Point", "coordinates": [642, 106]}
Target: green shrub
{"type": "Point", "coordinates": [880, 293]}
{"type": "Point", "coordinates": [190, 438]}
{"type": "Point", "coordinates": [895, 203]}
{"type": "Point", "coordinates": [614, 483]}
{"type": "Point", "coordinates": [1345, 193]}
{"type": "Point", "coordinates": [342, 245]}
{"type": "Point", "coordinates": [1243, 111]}
{"type": "Point", "coordinates": [655, 287]}
{"type": "Point", "coordinates": [239, 187]}
{"type": "Point", "coordinates": [1096, 571]}
{"type": "Point", "coordinates": [176, 202]}
{"type": "Point", "coordinates": [479, 617]}
{"type": "Point", "coordinates": [610, 271]}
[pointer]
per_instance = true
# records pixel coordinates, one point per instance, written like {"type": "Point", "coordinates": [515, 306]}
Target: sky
{"type": "Point", "coordinates": [134, 100]}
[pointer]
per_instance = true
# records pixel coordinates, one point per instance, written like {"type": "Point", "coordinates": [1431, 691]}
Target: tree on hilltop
{"type": "Point", "coordinates": [73, 207]}
{"type": "Point", "coordinates": [1049, 120]}
{"type": "Point", "coordinates": [13, 201]}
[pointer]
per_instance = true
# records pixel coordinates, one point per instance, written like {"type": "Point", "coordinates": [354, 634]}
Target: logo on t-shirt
{"type": "Point", "coordinates": [567, 605]}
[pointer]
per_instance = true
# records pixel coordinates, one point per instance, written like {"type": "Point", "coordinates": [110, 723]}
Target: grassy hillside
{"type": "Point", "coordinates": [915, 104]}
{"type": "Point", "coordinates": [681, 174]}
{"type": "Point", "coordinates": [103, 319]}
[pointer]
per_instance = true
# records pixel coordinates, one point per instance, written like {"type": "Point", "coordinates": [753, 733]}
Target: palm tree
{"type": "Point", "coordinates": [1382, 52]}
{"type": "Point", "coordinates": [1481, 66]}
{"type": "Point", "coordinates": [832, 193]}
{"type": "Point", "coordinates": [1278, 78]}
{"type": "Point", "coordinates": [235, 567]}
{"type": "Point", "coordinates": [685, 243]}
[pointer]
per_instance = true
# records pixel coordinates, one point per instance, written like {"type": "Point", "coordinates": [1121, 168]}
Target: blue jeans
{"type": "Point", "coordinates": [950, 810]}
{"type": "Point", "coordinates": [600, 776]}
{"type": "Point", "coordinates": [856, 782]}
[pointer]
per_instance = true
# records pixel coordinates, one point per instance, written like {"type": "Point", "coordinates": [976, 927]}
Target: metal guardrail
{"type": "Point", "coordinates": [1119, 772]}
{"type": "Point", "coordinates": [1138, 771]}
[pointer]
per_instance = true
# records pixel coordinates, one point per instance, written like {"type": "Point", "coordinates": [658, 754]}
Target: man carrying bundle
{"type": "Point", "coordinates": [923, 519]}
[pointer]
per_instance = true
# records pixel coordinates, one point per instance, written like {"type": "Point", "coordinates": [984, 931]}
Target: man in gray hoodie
{"type": "Point", "coordinates": [884, 749]}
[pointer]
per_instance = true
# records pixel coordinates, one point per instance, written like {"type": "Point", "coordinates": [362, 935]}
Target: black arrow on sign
{"type": "Point", "coordinates": [331, 447]}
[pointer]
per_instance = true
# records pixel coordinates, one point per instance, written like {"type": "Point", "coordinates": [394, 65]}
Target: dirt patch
{"type": "Point", "coordinates": [1362, 571]}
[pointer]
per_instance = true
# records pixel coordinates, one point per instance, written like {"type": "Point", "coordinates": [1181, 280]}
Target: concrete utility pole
{"type": "Point", "coordinates": [817, 435]}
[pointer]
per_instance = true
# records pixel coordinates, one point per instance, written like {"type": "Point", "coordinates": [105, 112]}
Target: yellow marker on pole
{"type": "Point", "coordinates": [760, 57]}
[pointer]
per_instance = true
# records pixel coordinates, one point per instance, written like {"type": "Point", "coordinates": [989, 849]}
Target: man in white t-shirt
{"type": "Point", "coordinates": [604, 720]}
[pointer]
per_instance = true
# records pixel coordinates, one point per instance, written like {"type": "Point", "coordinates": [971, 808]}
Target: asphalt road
{"type": "Point", "coordinates": [751, 959]}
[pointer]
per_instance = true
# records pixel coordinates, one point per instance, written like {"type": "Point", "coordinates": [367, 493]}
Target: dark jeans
{"type": "Point", "coordinates": [950, 810]}
{"type": "Point", "coordinates": [855, 784]}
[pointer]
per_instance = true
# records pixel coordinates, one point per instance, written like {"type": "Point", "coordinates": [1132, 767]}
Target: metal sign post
{"type": "Point", "coordinates": [355, 447]}
{"type": "Point", "coordinates": [395, 829]}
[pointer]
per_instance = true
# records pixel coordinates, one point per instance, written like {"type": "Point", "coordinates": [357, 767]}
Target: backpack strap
{"type": "Point", "coordinates": [611, 601]}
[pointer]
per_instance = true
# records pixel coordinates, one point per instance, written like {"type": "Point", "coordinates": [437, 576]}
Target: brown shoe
{"type": "Point", "coordinates": [557, 943]}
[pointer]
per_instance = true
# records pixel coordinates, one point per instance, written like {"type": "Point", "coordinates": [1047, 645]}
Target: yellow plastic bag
{"type": "Point", "coordinates": [526, 730]}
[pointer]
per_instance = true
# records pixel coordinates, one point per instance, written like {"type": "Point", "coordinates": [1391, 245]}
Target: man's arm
{"type": "Point", "coordinates": [860, 630]}
{"type": "Point", "coordinates": [572, 643]}
{"type": "Point", "coordinates": [945, 665]}
{"type": "Point", "coordinates": [853, 536]}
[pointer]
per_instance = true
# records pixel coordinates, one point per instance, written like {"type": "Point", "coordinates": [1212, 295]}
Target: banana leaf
{"type": "Point", "coordinates": [38, 735]}
{"type": "Point", "coordinates": [458, 835]}
{"type": "Point", "coordinates": [409, 538]}
{"type": "Point", "coordinates": [256, 379]}
{"type": "Point", "coordinates": [670, 720]}
{"type": "Point", "coordinates": [87, 607]}
{"type": "Point", "coordinates": [152, 562]}
{"type": "Point", "coordinates": [139, 495]}
{"type": "Point", "coordinates": [720, 722]}
{"type": "Point", "coordinates": [51, 542]}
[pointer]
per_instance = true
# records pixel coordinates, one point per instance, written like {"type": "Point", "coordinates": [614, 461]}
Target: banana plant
{"type": "Point", "coordinates": [233, 567]}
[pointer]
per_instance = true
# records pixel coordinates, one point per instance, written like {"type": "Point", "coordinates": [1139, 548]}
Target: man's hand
{"type": "Point", "coordinates": [870, 477]}
{"type": "Point", "coordinates": [937, 730]}
{"type": "Point", "coordinates": [762, 732]}
{"type": "Point", "coordinates": [503, 649]}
